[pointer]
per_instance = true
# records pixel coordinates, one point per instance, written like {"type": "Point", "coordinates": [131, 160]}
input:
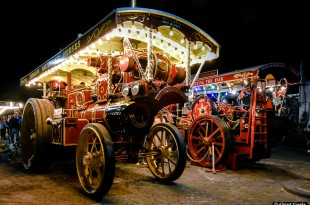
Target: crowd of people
{"type": "Point", "coordinates": [10, 127]}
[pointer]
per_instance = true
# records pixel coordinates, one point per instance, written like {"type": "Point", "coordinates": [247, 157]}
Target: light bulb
{"type": "Point", "coordinates": [195, 46]}
{"type": "Point", "coordinates": [171, 32]}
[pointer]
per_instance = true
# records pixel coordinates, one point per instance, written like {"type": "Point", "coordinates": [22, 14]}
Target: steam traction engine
{"type": "Point", "coordinates": [229, 113]}
{"type": "Point", "coordinates": [129, 63]}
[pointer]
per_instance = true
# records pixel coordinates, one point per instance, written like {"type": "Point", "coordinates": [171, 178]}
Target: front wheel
{"type": "Point", "coordinates": [206, 132]}
{"type": "Point", "coordinates": [95, 160]}
{"type": "Point", "coordinates": [166, 152]}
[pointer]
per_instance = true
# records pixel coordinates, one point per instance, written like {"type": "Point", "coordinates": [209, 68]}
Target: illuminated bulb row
{"type": "Point", "coordinates": [173, 48]}
{"type": "Point", "coordinates": [213, 87]}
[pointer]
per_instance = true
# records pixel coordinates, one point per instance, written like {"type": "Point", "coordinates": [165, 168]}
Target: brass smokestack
{"type": "Point", "coordinates": [133, 3]}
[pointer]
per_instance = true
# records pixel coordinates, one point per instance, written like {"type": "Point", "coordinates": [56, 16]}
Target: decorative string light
{"type": "Point", "coordinates": [203, 47]}
{"type": "Point", "coordinates": [132, 29]}
{"type": "Point", "coordinates": [171, 32]}
{"type": "Point", "coordinates": [158, 34]}
{"type": "Point", "coordinates": [195, 46]}
{"type": "Point", "coordinates": [133, 26]}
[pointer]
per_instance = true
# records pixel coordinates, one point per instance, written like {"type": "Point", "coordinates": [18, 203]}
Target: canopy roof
{"type": "Point", "coordinates": [270, 71]}
{"type": "Point", "coordinates": [165, 32]}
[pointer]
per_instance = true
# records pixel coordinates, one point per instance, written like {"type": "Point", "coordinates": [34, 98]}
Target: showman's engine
{"type": "Point", "coordinates": [103, 96]}
{"type": "Point", "coordinates": [128, 101]}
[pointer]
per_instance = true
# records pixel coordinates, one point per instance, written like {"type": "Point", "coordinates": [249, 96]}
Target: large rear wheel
{"type": "Point", "coordinates": [36, 134]}
{"type": "Point", "coordinates": [206, 131]}
{"type": "Point", "coordinates": [166, 152]}
{"type": "Point", "coordinates": [95, 160]}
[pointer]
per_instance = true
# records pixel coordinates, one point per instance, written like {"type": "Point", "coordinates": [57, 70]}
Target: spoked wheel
{"type": "Point", "coordinates": [95, 160]}
{"type": "Point", "coordinates": [166, 152]}
{"type": "Point", "coordinates": [203, 106]}
{"type": "Point", "coordinates": [205, 131]}
{"type": "Point", "coordinates": [36, 134]}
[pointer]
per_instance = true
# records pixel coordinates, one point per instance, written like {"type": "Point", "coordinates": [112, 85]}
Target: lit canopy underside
{"type": "Point", "coordinates": [184, 43]}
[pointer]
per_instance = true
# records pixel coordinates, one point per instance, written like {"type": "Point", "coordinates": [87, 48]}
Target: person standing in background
{"type": "Point", "coordinates": [3, 127]}
{"type": "Point", "coordinates": [8, 128]}
{"type": "Point", "coordinates": [6, 122]}
{"type": "Point", "coordinates": [14, 127]}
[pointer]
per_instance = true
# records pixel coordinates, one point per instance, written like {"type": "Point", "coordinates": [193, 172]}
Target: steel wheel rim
{"type": "Point", "coordinates": [166, 161]}
{"type": "Point", "coordinates": [203, 134]}
{"type": "Point", "coordinates": [92, 162]}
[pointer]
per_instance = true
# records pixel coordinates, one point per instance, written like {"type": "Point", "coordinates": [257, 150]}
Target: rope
{"type": "Point", "coordinates": [194, 159]}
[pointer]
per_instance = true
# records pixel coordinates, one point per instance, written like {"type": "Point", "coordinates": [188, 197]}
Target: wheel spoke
{"type": "Point", "coordinates": [197, 152]}
{"type": "Point", "coordinates": [171, 144]}
{"type": "Point", "coordinates": [219, 137]}
{"type": "Point", "coordinates": [162, 165]}
{"type": "Point", "coordinates": [206, 131]}
{"type": "Point", "coordinates": [94, 146]}
{"type": "Point", "coordinates": [212, 134]}
{"type": "Point", "coordinates": [217, 143]}
{"type": "Point", "coordinates": [156, 141]}
{"type": "Point", "coordinates": [194, 137]}
{"type": "Point", "coordinates": [171, 160]}
{"type": "Point", "coordinates": [217, 150]}
{"type": "Point", "coordinates": [200, 132]}
{"type": "Point", "coordinates": [88, 176]}
{"type": "Point", "coordinates": [163, 137]}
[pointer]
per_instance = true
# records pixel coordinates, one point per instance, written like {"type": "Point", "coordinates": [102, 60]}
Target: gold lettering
{"type": "Point", "coordinates": [99, 31]}
{"type": "Point", "coordinates": [243, 75]}
{"type": "Point", "coordinates": [31, 75]}
{"type": "Point", "coordinates": [23, 81]}
{"type": "Point", "coordinates": [72, 48]}
{"type": "Point", "coordinates": [44, 67]}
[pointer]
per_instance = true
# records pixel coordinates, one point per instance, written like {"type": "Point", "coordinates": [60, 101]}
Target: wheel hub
{"type": "Point", "coordinates": [164, 151]}
{"type": "Point", "coordinates": [91, 159]}
{"type": "Point", "coordinates": [206, 142]}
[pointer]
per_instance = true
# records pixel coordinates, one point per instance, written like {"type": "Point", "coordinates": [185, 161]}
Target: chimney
{"type": "Point", "coordinates": [133, 3]}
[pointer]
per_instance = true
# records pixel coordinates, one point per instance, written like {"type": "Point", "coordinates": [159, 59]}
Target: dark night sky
{"type": "Point", "coordinates": [250, 33]}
